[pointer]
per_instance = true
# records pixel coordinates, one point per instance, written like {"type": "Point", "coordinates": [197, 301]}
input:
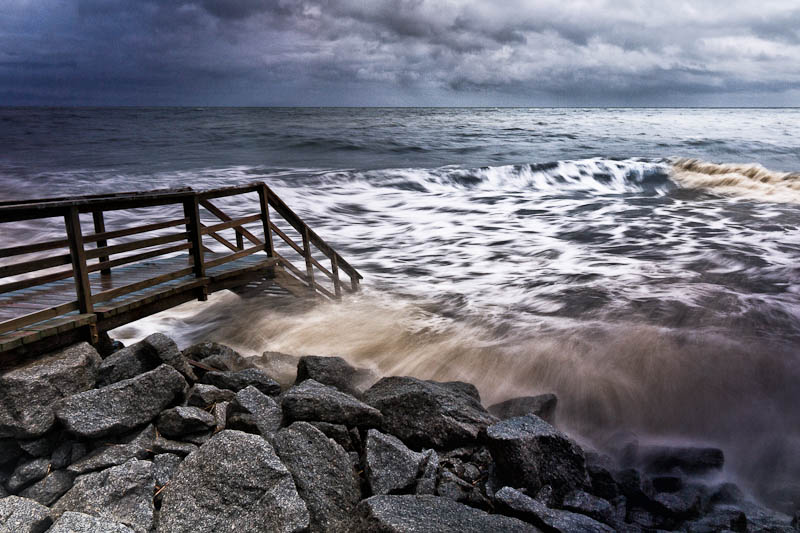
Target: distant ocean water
{"type": "Point", "coordinates": [643, 264]}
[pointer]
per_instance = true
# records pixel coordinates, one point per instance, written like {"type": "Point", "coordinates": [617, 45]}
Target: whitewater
{"type": "Point", "coordinates": [642, 264]}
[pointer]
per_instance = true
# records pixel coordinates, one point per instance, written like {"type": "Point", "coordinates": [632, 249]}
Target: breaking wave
{"type": "Point", "coordinates": [751, 181]}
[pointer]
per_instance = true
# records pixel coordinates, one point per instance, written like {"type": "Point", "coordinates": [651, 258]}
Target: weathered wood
{"type": "Point", "coordinates": [81, 275]}
{"type": "Point", "coordinates": [233, 257]}
{"type": "Point", "coordinates": [288, 240]}
{"type": "Point", "coordinates": [220, 214]}
{"type": "Point", "coordinates": [31, 248]}
{"type": "Point", "coordinates": [100, 228]}
{"type": "Point", "coordinates": [134, 231]}
{"type": "Point", "coordinates": [263, 200]}
{"type": "Point", "coordinates": [133, 287]}
{"type": "Point", "coordinates": [191, 210]}
{"type": "Point", "coordinates": [217, 238]}
{"type": "Point", "coordinates": [140, 257]}
{"type": "Point", "coordinates": [309, 264]}
{"type": "Point", "coordinates": [38, 316]}
{"type": "Point", "coordinates": [136, 245]}
{"type": "Point", "coordinates": [337, 285]}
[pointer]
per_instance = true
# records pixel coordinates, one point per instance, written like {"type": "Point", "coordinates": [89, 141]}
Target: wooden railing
{"type": "Point", "coordinates": [186, 221]}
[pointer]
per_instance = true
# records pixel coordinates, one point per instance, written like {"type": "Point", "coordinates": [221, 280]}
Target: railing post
{"type": "Point", "coordinates": [353, 282]}
{"type": "Point", "coordinates": [191, 210]}
{"type": "Point", "coordinates": [263, 197]}
{"type": "Point", "coordinates": [309, 264]}
{"type": "Point", "coordinates": [337, 285]}
{"type": "Point", "coordinates": [100, 227]}
{"type": "Point", "coordinates": [81, 274]}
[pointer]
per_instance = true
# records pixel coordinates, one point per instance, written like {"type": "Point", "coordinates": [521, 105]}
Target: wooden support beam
{"type": "Point", "coordinates": [75, 237]}
{"type": "Point", "coordinates": [309, 264]}
{"type": "Point", "coordinates": [263, 198]}
{"type": "Point", "coordinates": [100, 227]}
{"type": "Point", "coordinates": [337, 285]}
{"type": "Point", "coordinates": [191, 210]}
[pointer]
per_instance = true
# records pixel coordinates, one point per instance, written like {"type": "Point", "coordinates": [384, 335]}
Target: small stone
{"type": "Point", "coordinates": [346, 438]}
{"type": "Point", "coordinates": [138, 446]}
{"type": "Point", "coordinates": [21, 515]}
{"type": "Point", "coordinates": [581, 502]}
{"type": "Point", "coordinates": [71, 522]}
{"type": "Point", "coordinates": [27, 473]}
{"type": "Point", "coordinates": [241, 379]}
{"type": "Point", "coordinates": [217, 356]}
{"type": "Point", "coordinates": [29, 393]}
{"type": "Point", "coordinates": [543, 406]}
{"type": "Point", "coordinates": [50, 488]}
{"type": "Point", "coordinates": [162, 445]}
{"type": "Point", "coordinates": [323, 474]}
{"type": "Point", "coordinates": [390, 466]}
{"type": "Point", "coordinates": [426, 484]}
{"type": "Point", "coordinates": [399, 514]}
{"type": "Point", "coordinates": [220, 412]}
{"type": "Point", "coordinates": [122, 494]}
{"type": "Point", "coordinates": [530, 453]}
{"type": "Point", "coordinates": [234, 482]}
{"type": "Point", "coordinates": [312, 401]}
{"type": "Point", "coordinates": [548, 519]}
{"type": "Point", "coordinates": [181, 420]}
{"type": "Point", "coordinates": [62, 455]}
{"type": "Point", "coordinates": [202, 395]}
{"type": "Point", "coordinates": [167, 351]}
{"type": "Point", "coordinates": [253, 411]}
{"type": "Point", "coordinates": [164, 466]}
{"type": "Point", "coordinates": [428, 414]}
{"type": "Point", "coordinates": [127, 363]}
{"type": "Point", "coordinates": [332, 371]}
{"type": "Point", "coordinates": [121, 407]}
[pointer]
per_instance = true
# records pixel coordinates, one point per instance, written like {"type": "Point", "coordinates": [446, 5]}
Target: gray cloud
{"type": "Point", "coordinates": [418, 52]}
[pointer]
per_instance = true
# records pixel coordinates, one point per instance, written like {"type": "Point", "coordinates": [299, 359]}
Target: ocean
{"type": "Point", "coordinates": [642, 264]}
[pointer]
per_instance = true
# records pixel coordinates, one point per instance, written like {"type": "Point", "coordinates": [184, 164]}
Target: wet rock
{"type": "Point", "coordinates": [241, 379]}
{"type": "Point", "coordinates": [50, 488]}
{"type": "Point", "coordinates": [182, 420]}
{"type": "Point", "coordinates": [680, 505]}
{"type": "Point", "coordinates": [127, 363]}
{"type": "Point", "coordinates": [530, 453]}
{"type": "Point", "coordinates": [427, 414]}
{"type": "Point", "coordinates": [429, 513]}
{"type": "Point", "coordinates": [164, 466]}
{"type": "Point", "coordinates": [120, 407]}
{"type": "Point", "coordinates": [390, 467]}
{"type": "Point", "coordinates": [459, 387]}
{"type": "Point", "coordinates": [312, 401]}
{"type": "Point", "coordinates": [136, 446]}
{"type": "Point", "coordinates": [254, 412]}
{"type": "Point", "coordinates": [162, 445]}
{"type": "Point", "coordinates": [543, 406]}
{"type": "Point", "coordinates": [167, 351]}
{"type": "Point", "coordinates": [429, 479]}
{"type": "Point", "coordinates": [202, 395]}
{"type": "Point", "coordinates": [28, 393]}
{"type": "Point", "coordinates": [71, 522]}
{"type": "Point", "coordinates": [217, 356]}
{"type": "Point", "coordinates": [281, 366]}
{"type": "Point", "coordinates": [522, 506]}
{"type": "Point", "coordinates": [323, 475]}
{"type": "Point", "coordinates": [586, 504]}
{"type": "Point", "coordinates": [690, 460]}
{"type": "Point", "coordinates": [347, 438]}
{"type": "Point", "coordinates": [122, 494]}
{"type": "Point", "coordinates": [233, 482]}
{"type": "Point", "coordinates": [21, 515]}
{"type": "Point", "coordinates": [332, 371]}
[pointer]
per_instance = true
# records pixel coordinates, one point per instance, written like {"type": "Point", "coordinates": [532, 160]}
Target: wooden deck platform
{"type": "Point", "coordinates": [44, 306]}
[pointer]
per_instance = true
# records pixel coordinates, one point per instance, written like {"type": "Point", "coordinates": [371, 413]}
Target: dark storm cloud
{"type": "Point", "coordinates": [399, 51]}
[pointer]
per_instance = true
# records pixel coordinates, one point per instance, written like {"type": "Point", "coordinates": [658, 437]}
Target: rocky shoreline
{"type": "Point", "coordinates": [150, 438]}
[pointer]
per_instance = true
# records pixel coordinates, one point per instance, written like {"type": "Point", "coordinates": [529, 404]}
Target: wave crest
{"type": "Point", "coordinates": [751, 181]}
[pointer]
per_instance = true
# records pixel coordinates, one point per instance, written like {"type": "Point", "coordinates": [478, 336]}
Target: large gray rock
{"type": "Point", "coordinates": [27, 473]}
{"type": "Point", "coordinates": [389, 465]}
{"type": "Point", "coordinates": [167, 351]}
{"type": "Point", "coordinates": [203, 395]}
{"type": "Point", "coordinates": [543, 406]}
{"type": "Point", "coordinates": [136, 446]}
{"type": "Point", "coordinates": [234, 482]}
{"type": "Point", "coordinates": [584, 503]}
{"type": "Point", "coordinates": [217, 356]}
{"type": "Point", "coordinates": [70, 522]}
{"type": "Point", "coordinates": [127, 363]}
{"type": "Point", "coordinates": [50, 488]}
{"type": "Point", "coordinates": [332, 371]}
{"type": "Point", "coordinates": [183, 420]}
{"type": "Point", "coordinates": [516, 503]}
{"type": "Point", "coordinates": [21, 515]}
{"type": "Point", "coordinates": [428, 414]}
{"type": "Point", "coordinates": [255, 412]}
{"type": "Point", "coordinates": [28, 393]}
{"type": "Point", "coordinates": [241, 379]}
{"type": "Point", "coordinates": [528, 452]}
{"type": "Point", "coordinates": [323, 474]}
{"type": "Point", "coordinates": [312, 401]}
{"type": "Point", "coordinates": [122, 494]}
{"type": "Point", "coordinates": [429, 514]}
{"type": "Point", "coordinates": [123, 406]}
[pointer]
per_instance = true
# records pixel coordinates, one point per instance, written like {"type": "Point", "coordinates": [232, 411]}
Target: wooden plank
{"type": "Point", "coordinates": [140, 257]}
{"type": "Point", "coordinates": [228, 191]}
{"type": "Point", "coordinates": [132, 287]}
{"type": "Point", "coordinates": [337, 285]}
{"type": "Point", "coordinates": [297, 248]}
{"type": "Point", "coordinates": [219, 239]}
{"type": "Point", "coordinates": [322, 268]}
{"type": "Point", "coordinates": [81, 274]}
{"type": "Point", "coordinates": [262, 265]}
{"type": "Point", "coordinates": [220, 214]}
{"type": "Point", "coordinates": [191, 210]}
{"type": "Point", "coordinates": [32, 318]}
{"type": "Point", "coordinates": [263, 200]}
{"type": "Point", "coordinates": [136, 245]}
{"type": "Point", "coordinates": [32, 282]}
{"type": "Point", "coordinates": [230, 224]}
{"type": "Point", "coordinates": [134, 231]}
{"type": "Point", "coordinates": [233, 257]}
{"type": "Point", "coordinates": [33, 266]}
{"type": "Point", "coordinates": [31, 248]}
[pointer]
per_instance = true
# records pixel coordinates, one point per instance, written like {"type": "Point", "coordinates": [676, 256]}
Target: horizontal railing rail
{"type": "Point", "coordinates": [204, 228]}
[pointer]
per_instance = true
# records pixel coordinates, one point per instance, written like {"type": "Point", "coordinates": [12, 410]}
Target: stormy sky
{"type": "Point", "coordinates": [400, 52]}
